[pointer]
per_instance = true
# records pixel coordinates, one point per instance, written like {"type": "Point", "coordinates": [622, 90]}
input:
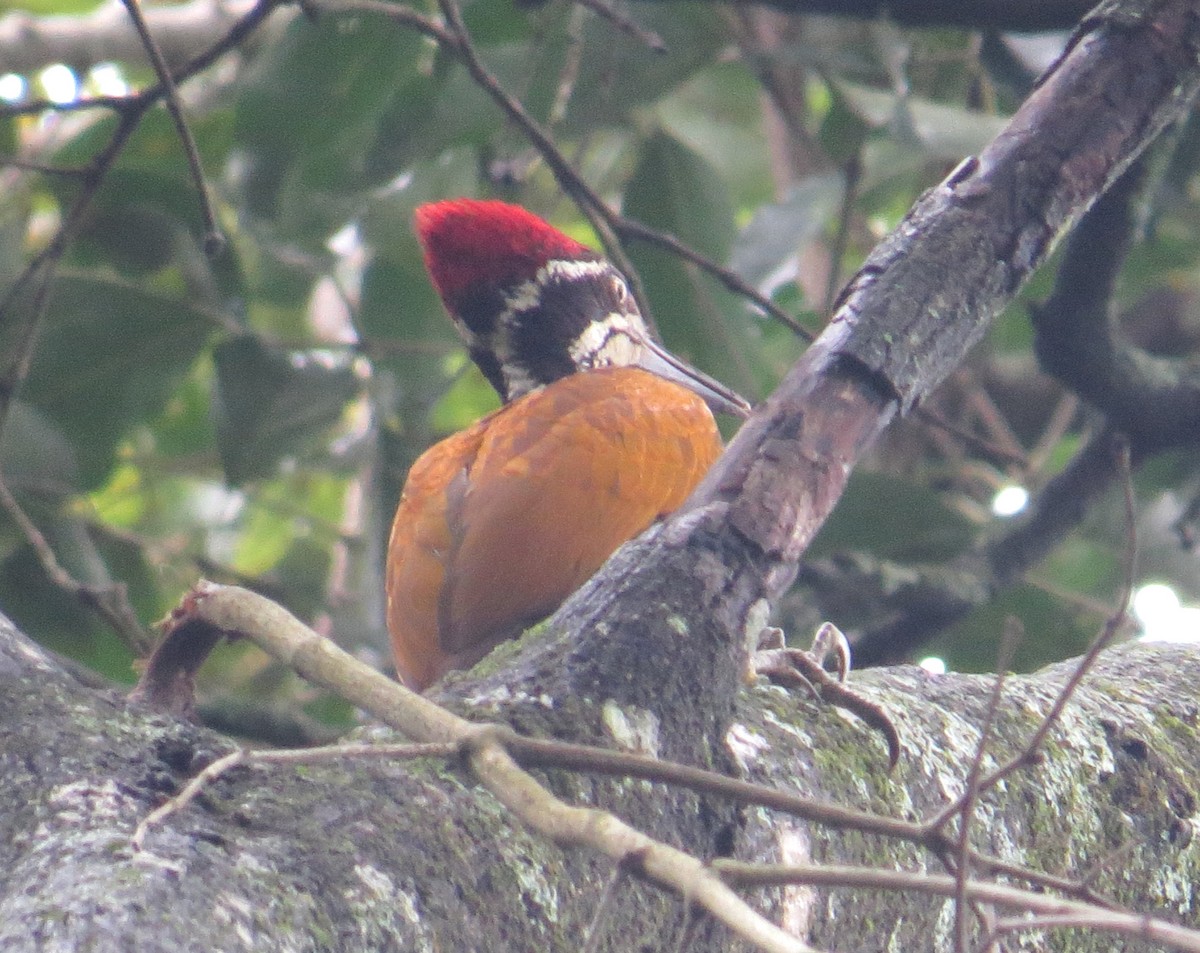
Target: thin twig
{"type": "Point", "coordinates": [272, 628]}
{"type": "Point", "coordinates": [1145, 928]}
{"type": "Point", "coordinates": [607, 224]}
{"type": "Point", "coordinates": [214, 239]}
{"type": "Point", "coordinates": [539, 753]}
{"type": "Point", "coordinates": [35, 107]}
{"type": "Point", "coordinates": [597, 213]}
{"type": "Point", "coordinates": [1055, 429]}
{"type": "Point", "coordinates": [993, 419]}
{"type": "Point", "coordinates": [238, 32]}
{"type": "Point", "coordinates": [730, 279]}
{"type": "Point", "coordinates": [401, 15]}
{"type": "Point", "coordinates": [41, 268]}
{"type": "Point", "coordinates": [568, 75]}
{"type": "Point", "coordinates": [110, 602]}
{"type": "Point", "coordinates": [542, 753]}
{"type": "Point", "coordinates": [27, 165]}
{"type": "Point", "coordinates": [185, 797]}
{"type": "Point", "coordinates": [625, 24]}
{"type": "Point", "coordinates": [687, 929]}
{"type": "Point", "coordinates": [226, 763]}
{"type": "Point", "coordinates": [1111, 627]}
{"type": "Point", "coordinates": [852, 175]}
{"type": "Point", "coordinates": [980, 445]}
{"type": "Point", "coordinates": [591, 937]}
{"type": "Point", "coordinates": [1051, 911]}
{"type": "Point", "coordinates": [962, 874]}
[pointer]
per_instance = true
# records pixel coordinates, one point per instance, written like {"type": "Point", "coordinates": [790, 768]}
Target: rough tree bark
{"type": "Point", "coordinates": [412, 856]}
{"type": "Point", "coordinates": [368, 856]}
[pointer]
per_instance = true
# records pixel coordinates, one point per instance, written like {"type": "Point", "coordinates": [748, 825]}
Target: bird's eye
{"type": "Point", "coordinates": [621, 290]}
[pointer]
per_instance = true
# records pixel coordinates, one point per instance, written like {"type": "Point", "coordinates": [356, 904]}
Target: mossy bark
{"type": "Point", "coordinates": [367, 855]}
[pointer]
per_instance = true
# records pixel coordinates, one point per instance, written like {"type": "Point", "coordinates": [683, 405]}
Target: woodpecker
{"type": "Point", "coordinates": [601, 433]}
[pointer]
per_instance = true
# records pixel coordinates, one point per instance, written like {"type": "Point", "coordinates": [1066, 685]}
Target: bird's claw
{"type": "Point", "coordinates": [800, 668]}
{"type": "Point", "coordinates": [828, 642]}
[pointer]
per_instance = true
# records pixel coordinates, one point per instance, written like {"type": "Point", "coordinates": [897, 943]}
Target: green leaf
{"type": "Point", "coordinates": [36, 456]}
{"type": "Point", "coordinates": [386, 224]}
{"type": "Point", "coordinates": [618, 76]}
{"type": "Point", "coordinates": [468, 399]}
{"type": "Point", "coordinates": [185, 426]}
{"type": "Point", "coordinates": [406, 328]}
{"type": "Point", "coordinates": [306, 114]}
{"type": "Point", "coordinates": [147, 217]}
{"type": "Point", "coordinates": [945, 132]}
{"type": "Point", "coordinates": [718, 113]}
{"type": "Point", "coordinates": [154, 148]}
{"type": "Point", "coordinates": [843, 129]}
{"type": "Point", "coordinates": [15, 208]}
{"type": "Point", "coordinates": [269, 404]}
{"type": "Point", "coordinates": [52, 7]}
{"type": "Point", "coordinates": [108, 357]}
{"type": "Point", "coordinates": [431, 114]}
{"type": "Point", "coordinates": [777, 231]}
{"type": "Point", "coordinates": [675, 191]}
{"type": "Point", "coordinates": [59, 621]}
{"type": "Point", "coordinates": [401, 320]}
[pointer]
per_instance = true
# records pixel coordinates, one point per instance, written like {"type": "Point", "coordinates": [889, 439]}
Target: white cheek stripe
{"type": "Point", "coordinates": [611, 340]}
{"type": "Point", "coordinates": [523, 297]}
{"type": "Point", "coordinates": [528, 293]}
{"type": "Point", "coordinates": [602, 341]}
{"type": "Point", "coordinates": [571, 269]}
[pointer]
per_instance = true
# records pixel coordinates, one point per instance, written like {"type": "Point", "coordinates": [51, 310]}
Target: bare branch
{"type": "Point", "coordinates": [1054, 911]}
{"type": "Point", "coordinates": [213, 239]}
{"type": "Point", "coordinates": [30, 43]}
{"type": "Point", "coordinates": [110, 602]}
{"type": "Point", "coordinates": [234, 611]}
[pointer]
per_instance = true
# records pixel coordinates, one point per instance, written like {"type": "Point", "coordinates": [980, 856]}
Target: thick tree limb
{"type": "Point", "coordinates": [1151, 403]}
{"type": "Point", "coordinates": [1154, 401]}
{"type": "Point", "coordinates": [367, 855]}
{"type": "Point", "coordinates": [650, 653]}
{"type": "Point", "coordinates": [922, 299]}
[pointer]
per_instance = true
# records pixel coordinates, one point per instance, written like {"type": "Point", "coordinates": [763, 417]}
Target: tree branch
{"type": "Point", "coordinates": [31, 43]}
{"type": "Point", "coordinates": [1020, 15]}
{"type": "Point", "coordinates": [1154, 401]}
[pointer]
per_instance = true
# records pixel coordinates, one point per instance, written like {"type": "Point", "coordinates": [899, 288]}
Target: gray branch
{"type": "Point", "coordinates": [30, 43]}
{"type": "Point", "coordinates": [369, 856]}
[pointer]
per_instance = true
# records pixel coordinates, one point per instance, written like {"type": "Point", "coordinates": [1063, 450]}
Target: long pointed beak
{"type": "Point", "coordinates": [720, 399]}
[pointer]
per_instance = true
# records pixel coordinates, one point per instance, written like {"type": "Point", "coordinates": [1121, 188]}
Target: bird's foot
{"type": "Point", "coordinates": [801, 668]}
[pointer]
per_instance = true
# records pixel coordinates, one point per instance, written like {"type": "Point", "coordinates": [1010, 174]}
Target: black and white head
{"type": "Point", "coordinates": [534, 305]}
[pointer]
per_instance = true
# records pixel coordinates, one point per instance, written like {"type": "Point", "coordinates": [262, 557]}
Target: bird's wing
{"type": "Point", "coordinates": [418, 548]}
{"type": "Point", "coordinates": [560, 479]}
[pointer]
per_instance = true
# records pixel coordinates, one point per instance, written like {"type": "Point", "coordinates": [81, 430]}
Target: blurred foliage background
{"type": "Point", "coordinates": [250, 416]}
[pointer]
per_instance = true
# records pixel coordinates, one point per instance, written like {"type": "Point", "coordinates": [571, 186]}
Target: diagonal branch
{"type": "Point", "coordinates": [239, 612]}
{"type": "Point", "coordinates": [926, 295]}
{"type": "Point", "coordinates": [213, 239]}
